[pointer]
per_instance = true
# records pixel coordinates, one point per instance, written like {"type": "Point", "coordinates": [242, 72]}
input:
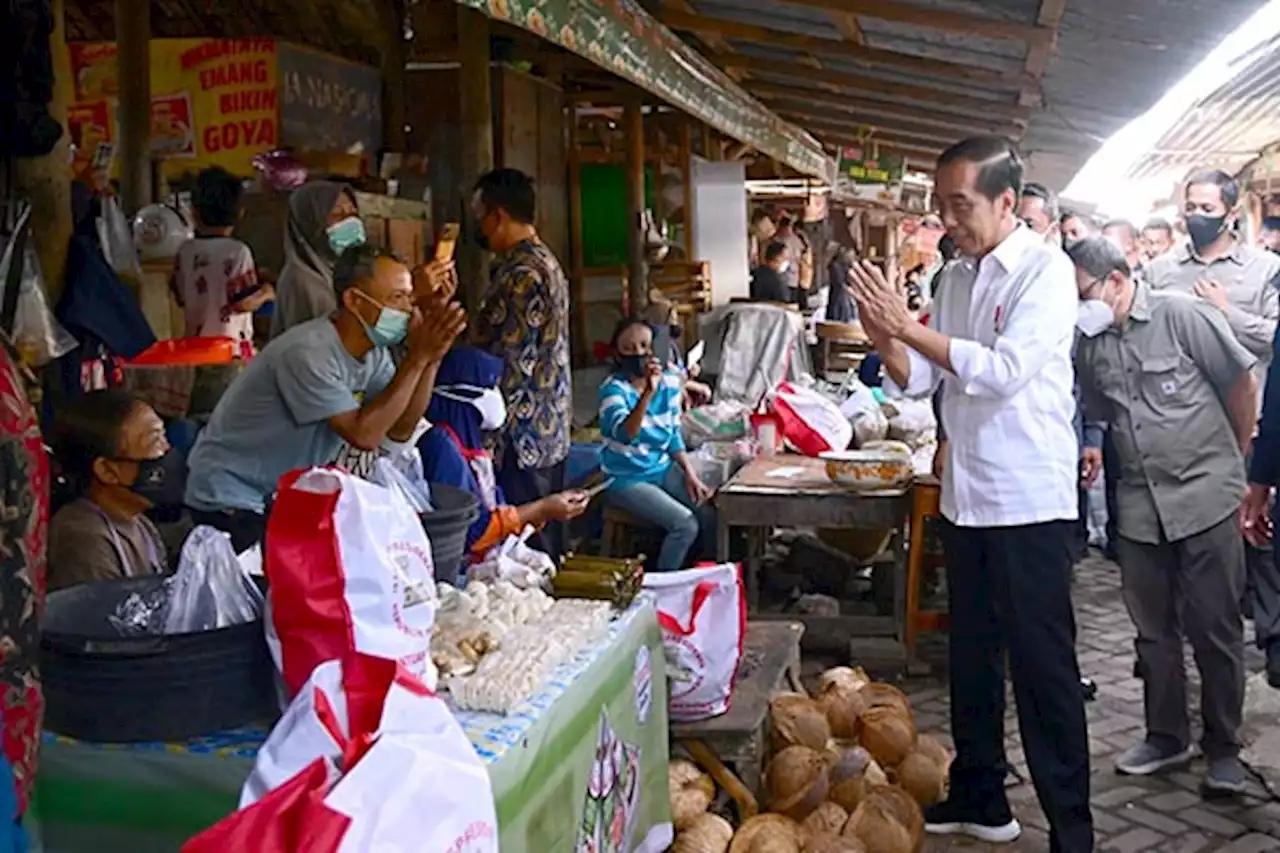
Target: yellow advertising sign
{"type": "Point", "coordinates": [213, 102]}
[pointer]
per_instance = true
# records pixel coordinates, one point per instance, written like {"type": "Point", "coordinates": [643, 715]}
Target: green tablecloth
{"type": "Point", "coordinates": [584, 758]}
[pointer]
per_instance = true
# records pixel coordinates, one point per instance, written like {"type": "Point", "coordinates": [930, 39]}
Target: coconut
{"type": "Point", "coordinates": [845, 677]}
{"type": "Point", "coordinates": [826, 818]}
{"type": "Point", "coordinates": [690, 790]}
{"type": "Point", "coordinates": [877, 694]}
{"type": "Point", "coordinates": [768, 833]}
{"type": "Point", "coordinates": [843, 705]}
{"type": "Point", "coordinates": [827, 843]}
{"type": "Point", "coordinates": [933, 748]}
{"type": "Point", "coordinates": [797, 720]}
{"type": "Point", "coordinates": [903, 808]}
{"type": "Point", "coordinates": [848, 778]}
{"type": "Point", "coordinates": [888, 734]}
{"type": "Point", "coordinates": [796, 781]}
{"type": "Point", "coordinates": [922, 777]}
{"type": "Point", "coordinates": [875, 826]}
{"type": "Point", "coordinates": [706, 833]}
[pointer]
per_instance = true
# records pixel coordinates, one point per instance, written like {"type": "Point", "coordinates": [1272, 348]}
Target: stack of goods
{"type": "Point", "coordinates": [849, 774]}
{"type": "Point", "coordinates": [495, 644]}
{"type": "Point", "coordinates": [600, 578]}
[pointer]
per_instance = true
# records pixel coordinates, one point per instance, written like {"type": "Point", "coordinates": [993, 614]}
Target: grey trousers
{"type": "Point", "coordinates": [1189, 588]}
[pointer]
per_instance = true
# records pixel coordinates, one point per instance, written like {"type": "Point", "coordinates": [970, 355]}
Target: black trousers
{"type": "Point", "coordinates": [1111, 471]}
{"type": "Point", "coordinates": [526, 485]}
{"type": "Point", "coordinates": [1009, 594]}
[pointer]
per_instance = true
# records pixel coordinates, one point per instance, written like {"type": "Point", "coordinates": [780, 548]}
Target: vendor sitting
{"type": "Point", "coordinates": [653, 478]}
{"type": "Point", "coordinates": [466, 402]}
{"type": "Point", "coordinates": [112, 449]}
{"type": "Point", "coordinates": [322, 382]}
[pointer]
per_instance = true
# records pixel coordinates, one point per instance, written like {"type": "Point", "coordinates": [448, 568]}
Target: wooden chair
{"type": "Point", "coordinates": [621, 536]}
{"type": "Point", "coordinates": [925, 497]}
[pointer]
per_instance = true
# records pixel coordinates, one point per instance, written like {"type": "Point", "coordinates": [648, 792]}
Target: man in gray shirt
{"type": "Point", "coordinates": [1166, 372]}
{"type": "Point", "coordinates": [322, 382]}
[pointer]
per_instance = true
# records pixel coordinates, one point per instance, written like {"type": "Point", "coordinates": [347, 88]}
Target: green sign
{"type": "Point", "coordinates": [861, 166]}
{"type": "Point", "coordinates": [620, 36]}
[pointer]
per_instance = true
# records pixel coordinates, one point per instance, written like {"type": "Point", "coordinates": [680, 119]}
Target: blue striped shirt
{"type": "Point", "coordinates": [647, 457]}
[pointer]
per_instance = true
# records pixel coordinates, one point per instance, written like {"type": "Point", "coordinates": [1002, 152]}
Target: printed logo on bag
{"type": "Point", "coordinates": [613, 794]}
{"type": "Point", "coordinates": [643, 680]}
{"type": "Point", "coordinates": [414, 579]}
{"type": "Point", "coordinates": [686, 667]}
{"type": "Point", "coordinates": [478, 837]}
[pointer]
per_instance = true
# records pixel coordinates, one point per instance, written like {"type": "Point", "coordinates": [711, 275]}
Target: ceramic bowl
{"type": "Point", "coordinates": [868, 469]}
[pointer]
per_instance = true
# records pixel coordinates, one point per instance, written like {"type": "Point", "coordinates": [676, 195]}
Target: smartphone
{"type": "Point", "coordinates": [598, 488]}
{"type": "Point", "coordinates": [695, 354]}
{"type": "Point", "coordinates": [662, 344]}
{"type": "Point", "coordinates": [448, 242]}
{"type": "Point", "coordinates": [103, 155]}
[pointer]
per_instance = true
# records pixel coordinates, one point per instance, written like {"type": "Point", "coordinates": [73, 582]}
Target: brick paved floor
{"type": "Point", "coordinates": [1163, 814]}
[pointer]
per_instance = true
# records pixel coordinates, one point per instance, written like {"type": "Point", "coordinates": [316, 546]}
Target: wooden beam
{"type": "Point", "coordinates": [837, 139]}
{"type": "Point", "coordinates": [914, 135]}
{"type": "Point", "coordinates": [1041, 53]}
{"type": "Point", "coordinates": [716, 42]}
{"type": "Point", "coordinates": [937, 19]}
{"type": "Point", "coordinates": [885, 110]}
{"type": "Point", "coordinates": [877, 88]}
{"type": "Point", "coordinates": [637, 266]}
{"type": "Point", "coordinates": [808, 115]}
{"type": "Point", "coordinates": [847, 24]}
{"type": "Point", "coordinates": [133, 61]}
{"type": "Point", "coordinates": [853, 53]}
{"type": "Point", "coordinates": [475, 99]}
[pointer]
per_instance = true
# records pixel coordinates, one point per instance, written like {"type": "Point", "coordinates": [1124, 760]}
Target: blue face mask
{"type": "Point", "coordinates": [345, 234]}
{"type": "Point", "coordinates": [392, 325]}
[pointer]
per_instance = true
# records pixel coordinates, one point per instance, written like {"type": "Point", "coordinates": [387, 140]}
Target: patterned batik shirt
{"type": "Point", "coordinates": [524, 320]}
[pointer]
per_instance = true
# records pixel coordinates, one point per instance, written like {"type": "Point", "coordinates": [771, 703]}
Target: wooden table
{"type": "Point", "coordinates": [794, 491]}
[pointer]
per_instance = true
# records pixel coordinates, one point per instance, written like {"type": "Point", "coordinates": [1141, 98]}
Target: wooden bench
{"type": "Point", "coordinates": [732, 747]}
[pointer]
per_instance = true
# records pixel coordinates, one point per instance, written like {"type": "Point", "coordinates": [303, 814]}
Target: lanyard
{"type": "Point", "coordinates": [152, 554]}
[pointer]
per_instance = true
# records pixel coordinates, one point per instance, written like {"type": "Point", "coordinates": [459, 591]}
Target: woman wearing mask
{"type": "Point", "coordinates": [653, 478]}
{"type": "Point", "coordinates": [465, 404]}
{"type": "Point", "coordinates": [323, 223]}
{"type": "Point", "coordinates": [112, 447]}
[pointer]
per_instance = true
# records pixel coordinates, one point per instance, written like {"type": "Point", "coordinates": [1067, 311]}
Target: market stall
{"type": "Point", "coordinates": [548, 761]}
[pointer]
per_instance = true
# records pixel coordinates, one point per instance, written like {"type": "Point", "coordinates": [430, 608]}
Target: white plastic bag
{"type": "Point", "coordinates": [402, 473]}
{"type": "Point", "coordinates": [115, 235]}
{"type": "Point", "coordinates": [913, 422]}
{"type": "Point", "coordinates": [210, 590]}
{"type": "Point", "coordinates": [864, 414]}
{"type": "Point", "coordinates": [350, 570]}
{"type": "Point", "coordinates": [514, 561]}
{"type": "Point", "coordinates": [811, 423]}
{"type": "Point", "coordinates": [37, 334]}
{"type": "Point", "coordinates": [703, 615]}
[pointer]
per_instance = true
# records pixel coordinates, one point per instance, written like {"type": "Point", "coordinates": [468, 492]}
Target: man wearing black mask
{"type": "Point", "coordinates": [1240, 281]}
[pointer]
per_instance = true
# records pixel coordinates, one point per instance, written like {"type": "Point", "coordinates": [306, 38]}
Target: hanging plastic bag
{"type": "Point", "coordinates": [210, 590]}
{"type": "Point", "coordinates": [115, 235]}
{"type": "Point", "coordinates": [37, 335]}
{"type": "Point", "coordinates": [402, 474]}
{"type": "Point", "coordinates": [864, 413]}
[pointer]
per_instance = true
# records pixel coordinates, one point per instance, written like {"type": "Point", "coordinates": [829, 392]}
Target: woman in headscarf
{"type": "Point", "coordinates": [465, 404]}
{"type": "Point", "coordinates": [323, 222]}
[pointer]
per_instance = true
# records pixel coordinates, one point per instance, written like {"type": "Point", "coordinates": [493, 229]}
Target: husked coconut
{"type": "Point", "coordinates": [828, 843]}
{"type": "Point", "coordinates": [706, 833]}
{"type": "Point", "coordinates": [848, 778]}
{"type": "Point", "coordinates": [796, 782]}
{"type": "Point", "coordinates": [888, 734]}
{"type": "Point", "coordinates": [922, 777]}
{"type": "Point", "coordinates": [768, 833]}
{"type": "Point", "coordinates": [798, 720]}
{"type": "Point", "coordinates": [690, 790]}
{"type": "Point", "coordinates": [903, 807]}
{"type": "Point", "coordinates": [828, 817]}
{"type": "Point", "coordinates": [875, 826]}
{"type": "Point", "coordinates": [845, 677]}
{"type": "Point", "coordinates": [877, 694]}
{"type": "Point", "coordinates": [843, 706]}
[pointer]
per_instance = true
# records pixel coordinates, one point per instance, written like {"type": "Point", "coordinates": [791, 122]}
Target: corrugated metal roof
{"type": "Point", "coordinates": [1225, 129]}
{"type": "Point", "coordinates": [1113, 60]}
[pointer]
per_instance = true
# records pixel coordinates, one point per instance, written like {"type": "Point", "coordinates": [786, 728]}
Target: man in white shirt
{"type": "Point", "coordinates": [999, 345]}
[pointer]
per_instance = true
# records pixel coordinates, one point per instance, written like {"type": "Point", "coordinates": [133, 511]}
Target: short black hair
{"type": "Point", "coordinates": [947, 247]}
{"type": "Point", "coordinates": [1122, 223]}
{"type": "Point", "coordinates": [999, 164]}
{"type": "Point", "coordinates": [1158, 224]}
{"type": "Point", "coordinates": [1226, 185]}
{"type": "Point", "coordinates": [786, 218]}
{"type": "Point", "coordinates": [87, 429]}
{"type": "Point", "coordinates": [356, 264]}
{"type": "Point", "coordinates": [513, 191]}
{"type": "Point", "coordinates": [1098, 256]}
{"type": "Point", "coordinates": [1032, 189]}
{"type": "Point", "coordinates": [216, 197]}
{"type": "Point", "coordinates": [624, 324]}
{"type": "Point", "coordinates": [774, 249]}
{"type": "Point", "coordinates": [759, 215]}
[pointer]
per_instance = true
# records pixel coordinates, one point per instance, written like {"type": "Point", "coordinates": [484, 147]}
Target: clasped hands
{"type": "Point", "coordinates": [882, 304]}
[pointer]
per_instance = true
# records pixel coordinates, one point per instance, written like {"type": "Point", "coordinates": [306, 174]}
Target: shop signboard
{"type": "Point", "coordinates": [329, 104]}
{"type": "Point", "coordinates": [620, 36]}
{"type": "Point", "coordinates": [865, 175]}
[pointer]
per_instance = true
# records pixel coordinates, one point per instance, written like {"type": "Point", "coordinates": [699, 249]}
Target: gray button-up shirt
{"type": "Point", "coordinates": [1248, 275]}
{"type": "Point", "coordinates": [1161, 382]}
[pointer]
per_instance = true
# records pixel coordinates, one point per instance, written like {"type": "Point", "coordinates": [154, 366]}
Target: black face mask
{"type": "Point", "coordinates": [632, 365]}
{"type": "Point", "coordinates": [1203, 230]}
{"type": "Point", "coordinates": [161, 482]}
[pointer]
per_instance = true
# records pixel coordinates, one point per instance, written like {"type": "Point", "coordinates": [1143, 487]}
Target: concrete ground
{"type": "Point", "coordinates": [1164, 814]}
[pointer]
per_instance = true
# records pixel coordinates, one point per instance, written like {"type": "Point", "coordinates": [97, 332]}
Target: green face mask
{"type": "Point", "coordinates": [345, 234]}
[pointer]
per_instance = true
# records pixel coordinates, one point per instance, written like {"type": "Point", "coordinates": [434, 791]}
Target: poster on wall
{"type": "Point", "coordinates": [213, 101]}
{"type": "Point", "coordinates": [864, 174]}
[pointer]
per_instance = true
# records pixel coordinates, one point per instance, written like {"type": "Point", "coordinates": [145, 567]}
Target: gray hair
{"type": "Point", "coordinates": [356, 264]}
{"type": "Point", "coordinates": [1098, 257]}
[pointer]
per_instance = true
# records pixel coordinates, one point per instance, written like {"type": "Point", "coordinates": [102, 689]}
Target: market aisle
{"type": "Point", "coordinates": [1162, 815]}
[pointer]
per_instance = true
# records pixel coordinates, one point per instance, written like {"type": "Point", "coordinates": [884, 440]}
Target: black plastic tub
{"type": "Point", "coordinates": [456, 510]}
{"type": "Point", "coordinates": [105, 688]}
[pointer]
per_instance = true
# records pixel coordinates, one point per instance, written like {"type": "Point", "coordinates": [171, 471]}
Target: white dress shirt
{"type": "Point", "coordinates": [1008, 408]}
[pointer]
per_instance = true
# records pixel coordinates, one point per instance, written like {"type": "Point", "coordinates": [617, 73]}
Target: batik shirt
{"type": "Point", "coordinates": [524, 320]}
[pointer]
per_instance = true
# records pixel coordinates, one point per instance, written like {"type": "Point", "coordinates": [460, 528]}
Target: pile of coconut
{"type": "Point", "coordinates": [849, 774]}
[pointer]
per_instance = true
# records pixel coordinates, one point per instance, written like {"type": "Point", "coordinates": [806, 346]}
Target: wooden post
{"type": "Point", "coordinates": [133, 75]}
{"type": "Point", "coordinates": [46, 181]}
{"type": "Point", "coordinates": [581, 346]}
{"type": "Point", "coordinates": [476, 139]}
{"type": "Point", "coordinates": [394, 113]}
{"type": "Point", "coordinates": [633, 130]}
{"type": "Point", "coordinates": [686, 180]}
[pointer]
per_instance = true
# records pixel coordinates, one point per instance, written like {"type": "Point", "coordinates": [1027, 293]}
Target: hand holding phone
{"type": "Point", "coordinates": [448, 242]}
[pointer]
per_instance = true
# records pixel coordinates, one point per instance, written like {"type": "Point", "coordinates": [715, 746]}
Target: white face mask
{"type": "Point", "coordinates": [784, 266]}
{"type": "Point", "coordinates": [488, 402]}
{"type": "Point", "coordinates": [1094, 317]}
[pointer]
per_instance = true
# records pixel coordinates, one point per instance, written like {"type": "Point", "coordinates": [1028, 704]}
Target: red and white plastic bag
{"type": "Point", "coordinates": [811, 423]}
{"type": "Point", "coordinates": [349, 570]}
{"type": "Point", "coordinates": [703, 616]}
{"type": "Point", "coordinates": [366, 758]}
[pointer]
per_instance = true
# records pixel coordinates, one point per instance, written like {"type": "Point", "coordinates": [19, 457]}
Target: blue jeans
{"type": "Point", "coordinates": [667, 505]}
